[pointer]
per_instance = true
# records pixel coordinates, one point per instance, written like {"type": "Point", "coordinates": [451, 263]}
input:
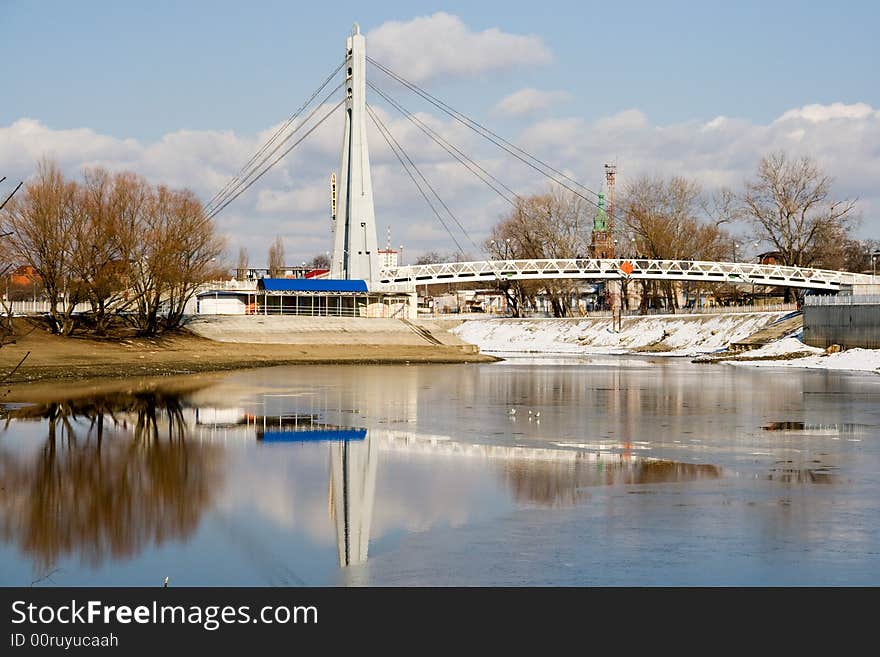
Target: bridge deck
{"type": "Point", "coordinates": [621, 268]}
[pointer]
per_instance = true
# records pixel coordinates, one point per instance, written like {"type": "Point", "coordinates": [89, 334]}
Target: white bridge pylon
{"type": "Point", "coordinates": [610, 269]}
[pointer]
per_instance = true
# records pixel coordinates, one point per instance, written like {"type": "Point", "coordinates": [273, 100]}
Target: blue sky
{"type": "Point", "coordinates": [141, 69]}
{"type": "Point", "coordinates": [137, 72]}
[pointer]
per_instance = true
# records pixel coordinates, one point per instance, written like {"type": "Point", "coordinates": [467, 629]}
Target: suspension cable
{"type": "Point", "coordinates": [389, 138]}
{"type": "Point", "coordinates": [489, 135]}
{"type": "Point", "coordinates": [422, 176]}
{"type": "Point", "coordinates": [222, 200]}
{"type": "Point", "coordinates": [480, 172]}
{"type": "Point", "coordinates": [215, 200]}
{"type": "Point", "coordinates": [517, 202]}
{"type": "Point", "coordinates": [218, 209]}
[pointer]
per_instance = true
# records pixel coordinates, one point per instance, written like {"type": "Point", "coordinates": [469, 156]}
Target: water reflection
{"type": "Point", "coordinates": [120, 472]}
{"type": "Point", "coordinates": [787, 473]}
{"type": "Point", "coordinates": [114, 474]}
{"type": "Point", "coordinates": [352, 493]}
{"type": "Point", "coordinates": [817, 428]}
{"type": "Point", "coordinates": [561, 483]}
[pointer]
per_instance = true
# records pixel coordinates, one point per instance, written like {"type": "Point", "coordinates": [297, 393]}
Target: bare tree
{"type": "Point", "coordinates": [320, 261]}
{"type": "Point", "coordinates": [115, 241]}
{"type": "Point", "coordinates": [790, 206]}
{"type": "Point", "coordinates": [549, 225]}
{"type": "Point", "coordinates": [855, 255]}
{"type": "Point", "coordinates": [98, 262]}
{"type": "Point", "coordinates": [193, 258]}
{"type": "Point", "coordinates": [6, 264]}
{"type": "Point", "coordinates": [241, 267]}
{"type": "Point", "coordinates": [44, 225]}
{"type": "Point", "coordinates": [432, 257]}
{"type": "Point", "coordinates": [276, 258]}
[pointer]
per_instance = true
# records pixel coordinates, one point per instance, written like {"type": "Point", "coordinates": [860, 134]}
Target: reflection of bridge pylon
{"type": "Point", "coordinates": [352, 491]}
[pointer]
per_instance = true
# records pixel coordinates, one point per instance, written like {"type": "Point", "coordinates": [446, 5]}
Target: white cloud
{"type": "Point", "coordinates": [623, 122]}
{"type": "Point", "coordinates": [819, 113]}
{"type": "Point", "coordinates": [530, 101]}
{"type": "Point", "coordinates": [722, 151]}
{"type": "Point", "coordinates": [292, 199]}
{"type": "Point", "coordinates": [441, 44]}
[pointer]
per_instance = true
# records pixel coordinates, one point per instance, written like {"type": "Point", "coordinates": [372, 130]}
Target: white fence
{"type": "Point", "coordinates": [842, 300]}
{"type": "Point", "coordinates": [633, 312]}
{"type": "Point", "coordinates": [39, 307]}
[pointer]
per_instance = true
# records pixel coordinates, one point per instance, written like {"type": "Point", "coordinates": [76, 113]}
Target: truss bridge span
{"type": "Point", "coordinates": [623, 268]}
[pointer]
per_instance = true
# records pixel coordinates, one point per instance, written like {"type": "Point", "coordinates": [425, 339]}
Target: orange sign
{"type": "Point", "coordinates": [626, 267]}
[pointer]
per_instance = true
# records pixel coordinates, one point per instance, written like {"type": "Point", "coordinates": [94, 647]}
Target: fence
{"type": "Point", "coordinates": [39, 307]}
{"type": "Point", "coordinates": [842, 300]}
{"type": "Point", "coordinates": [634, 312]}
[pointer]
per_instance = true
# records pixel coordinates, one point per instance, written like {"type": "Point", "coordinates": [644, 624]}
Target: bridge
{"type": "Point", "coordinates": [355, 247]}
{"type": "Point", "coordinates": [622, 269]}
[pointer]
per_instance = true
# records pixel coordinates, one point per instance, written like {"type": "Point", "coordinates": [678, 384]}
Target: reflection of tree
{"type": "Point", "coordinates": [559, 483]}
{"type": "Point", "coordinates": [114, 475]}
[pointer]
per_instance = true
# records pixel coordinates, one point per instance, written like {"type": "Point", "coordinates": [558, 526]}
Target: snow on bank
{"type": "Point", "coordinates": [669, 334]}
{"type": "Point", "coordinates": [788, 345]}
{"type": "Point", "coordinates": [861, 360]}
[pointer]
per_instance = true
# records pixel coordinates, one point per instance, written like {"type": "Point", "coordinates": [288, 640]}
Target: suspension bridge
{"type": "Point", "coordinates": [355, 249]}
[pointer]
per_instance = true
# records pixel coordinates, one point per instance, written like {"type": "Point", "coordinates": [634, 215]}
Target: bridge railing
{"type": "Point", "coordinates": [622, 268]}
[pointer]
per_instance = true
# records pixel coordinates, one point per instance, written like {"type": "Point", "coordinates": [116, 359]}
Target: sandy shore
{"type": "Point", "coordinates": [50, 357]}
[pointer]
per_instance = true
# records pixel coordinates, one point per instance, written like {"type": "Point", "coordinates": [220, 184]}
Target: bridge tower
{"type": "Point", "coordinates": [355, 250]}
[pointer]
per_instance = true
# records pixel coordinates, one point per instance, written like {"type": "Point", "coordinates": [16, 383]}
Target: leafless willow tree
{"type": "Point", "coordinates": [170, 252]}
{"type": "Point", "coordinates": [44, 224]}
{"type": "Point", "coordinates": [114, 240]}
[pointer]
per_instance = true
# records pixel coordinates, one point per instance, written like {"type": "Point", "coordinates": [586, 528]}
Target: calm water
{"type": "Point", "coordinates": [627, 471]}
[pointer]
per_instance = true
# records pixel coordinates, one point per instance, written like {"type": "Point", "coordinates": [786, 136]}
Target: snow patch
{"type": "Point", "coordinates": [858, 360]}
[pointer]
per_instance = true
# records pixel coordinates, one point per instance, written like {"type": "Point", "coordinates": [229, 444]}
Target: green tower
{"type": "Point", "coordinates": [600, 222]}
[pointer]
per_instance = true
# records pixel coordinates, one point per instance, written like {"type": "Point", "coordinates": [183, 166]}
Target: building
{"type": "Point", "coordinates": [602, 241]}
{"type": "Point", "coordinates": [388, 258]}
{"type": "Point", "coordinates": [311, 297]}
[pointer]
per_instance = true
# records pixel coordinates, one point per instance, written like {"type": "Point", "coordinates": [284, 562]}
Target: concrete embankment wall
{"type": "Point", "coordinates": [847, 325]}
{"type": "Point", "coordinates": [324, 331]}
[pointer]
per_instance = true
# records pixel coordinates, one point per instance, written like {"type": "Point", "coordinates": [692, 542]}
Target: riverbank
{"type": "Point", "coordinates": [710, 339]}
{"type": "Point", "coordinates": [51, 357]}
{"type": "Point", "coordinates": [791, 352]}
{"type": "Point", "coordinates": [672, 335]}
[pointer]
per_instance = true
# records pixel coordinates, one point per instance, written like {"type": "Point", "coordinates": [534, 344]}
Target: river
{"type": "Point", "coordinates": [610, 470]}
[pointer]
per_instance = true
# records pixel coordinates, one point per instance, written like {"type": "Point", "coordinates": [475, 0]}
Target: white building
{"type": "Point", "coordinates": [388, 258]}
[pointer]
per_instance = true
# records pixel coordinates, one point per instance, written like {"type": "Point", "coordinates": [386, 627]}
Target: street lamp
{"type": "Point", "coordinates": [874, 257]}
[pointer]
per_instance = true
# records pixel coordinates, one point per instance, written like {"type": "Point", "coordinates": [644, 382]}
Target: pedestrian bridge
{"type": "Point", "coordinates": [623, 269]}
